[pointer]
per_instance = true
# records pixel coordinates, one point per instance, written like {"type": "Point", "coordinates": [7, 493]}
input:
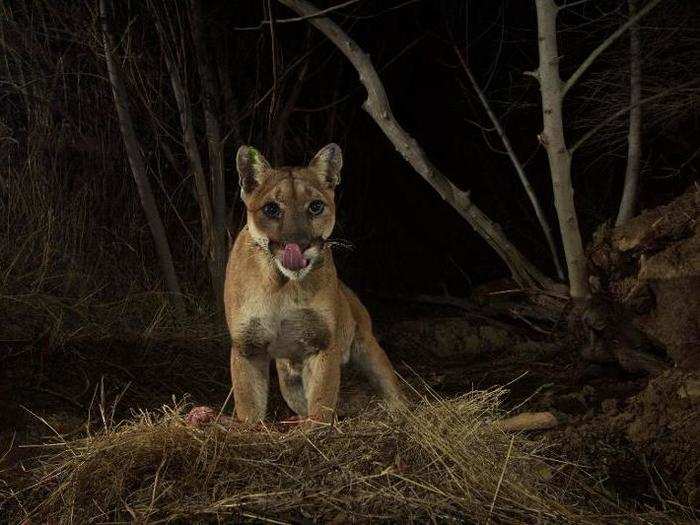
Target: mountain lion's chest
{"type": "Point", "coordinates": [282, 327]}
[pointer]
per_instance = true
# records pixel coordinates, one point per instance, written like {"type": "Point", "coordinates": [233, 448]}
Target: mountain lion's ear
{"type": "Point", "coordinates": [251, 167]}
{"type": "Point", "coordinates": [328, 163]}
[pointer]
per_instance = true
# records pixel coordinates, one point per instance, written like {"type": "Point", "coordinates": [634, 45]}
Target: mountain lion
{"type": "Point", "coordinates": [283, 299]}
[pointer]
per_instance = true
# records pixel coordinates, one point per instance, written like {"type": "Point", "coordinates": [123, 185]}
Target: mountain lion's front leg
{"type": "Point", "coordinates": [250, 375]}
{"type": "Point", "coordinates": [321, 378]}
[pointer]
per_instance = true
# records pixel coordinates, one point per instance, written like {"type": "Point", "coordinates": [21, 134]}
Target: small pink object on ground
{"type": "Point", "coordinates": [200, 416]}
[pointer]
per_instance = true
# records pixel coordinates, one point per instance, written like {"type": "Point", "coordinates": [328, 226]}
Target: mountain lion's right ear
{"type": "Point", "coordinates": [251, 167]}
{"type": "Point", "coordinates": [327, 163]}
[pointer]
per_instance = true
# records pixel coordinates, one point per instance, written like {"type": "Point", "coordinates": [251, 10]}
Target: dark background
{"type": "Point", "coordinates": [65, 143]}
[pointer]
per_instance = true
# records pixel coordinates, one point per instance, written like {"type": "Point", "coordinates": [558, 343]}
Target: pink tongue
{"type": "Point", "coordinates": [292, 258]}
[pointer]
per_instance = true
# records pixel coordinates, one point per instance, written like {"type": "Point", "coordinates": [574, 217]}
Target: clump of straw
{"type": "Point", "coordinates": [439, 460]}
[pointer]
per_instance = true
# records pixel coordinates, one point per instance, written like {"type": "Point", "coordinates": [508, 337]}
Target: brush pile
{"type": "Point", "coordinates": [437, 461]}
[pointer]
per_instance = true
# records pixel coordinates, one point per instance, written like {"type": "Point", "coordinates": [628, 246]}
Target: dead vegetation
{"type": "Point", "coordinates": [437, 461]}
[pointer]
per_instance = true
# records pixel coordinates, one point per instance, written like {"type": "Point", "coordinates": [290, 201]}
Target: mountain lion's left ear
{"type": "Point", "coordinates": [327, 163]}
{"type": "Point", "coordinates": [252, 168]}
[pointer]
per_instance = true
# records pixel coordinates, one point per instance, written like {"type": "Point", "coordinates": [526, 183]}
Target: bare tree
{"type": "Point", "coordinates": [669, 91]}
{"type": "Point", "coordinates": [136, 161]}
{"type": "Point", "coordinates": [519, 169]}
{"type": "Point", "coordinates": [213, 228]}
{"type": "Point", "coordinates": [552, 138]}
{"type": "Point", "coordinates": [552, 91]}
{"type": "Point", "coordinates": [628, 203]}
{"type": "Point", "coordinates": [216, 155]}
{"type": "Point", "coordinates": [377, 106]}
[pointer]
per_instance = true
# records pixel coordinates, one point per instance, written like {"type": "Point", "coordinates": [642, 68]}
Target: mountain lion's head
{"type": "Point", "coordinates": [291, 210]}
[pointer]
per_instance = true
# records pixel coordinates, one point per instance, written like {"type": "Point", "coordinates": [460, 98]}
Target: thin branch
{"type": "Point", "coordinates": [544, 224]}
{"type": "Point", "coordinates": [273, 52]}
{"type": "Point", "coordinates": [535, 73]}
{"type": "Point", "coordinates": [484, 134]}
{"type": "Point", "coordinates": [569, 5]}
{"type": "Point", "coordinates": [621, 112]}
{"type": "Point", "coordinates": [322, 12]}
{"type": "Point", "coordinates": [383, 12]}
{"type": "Point", "coordinates": [606, 44]}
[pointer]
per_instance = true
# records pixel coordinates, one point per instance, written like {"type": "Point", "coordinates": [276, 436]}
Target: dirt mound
{"type": "Point", "coordinates": [651, 265]}
{"type": "Point", "coordinates": [446, 337]}
{"type": "Point", "coordinates": [654, 432]}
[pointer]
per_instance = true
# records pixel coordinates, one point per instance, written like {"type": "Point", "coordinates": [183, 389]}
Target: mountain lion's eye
{"type": "Point", "coordinates": [272, 210]}
{"type": "Point", "coordinates": [316, 207]}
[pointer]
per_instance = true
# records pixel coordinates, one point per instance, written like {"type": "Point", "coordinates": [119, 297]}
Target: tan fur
{"type": "Point", "coordinates": [308, 321]}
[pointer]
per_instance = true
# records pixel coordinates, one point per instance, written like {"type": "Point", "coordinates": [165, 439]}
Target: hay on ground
{"type": "Point", "coordinates": [437, 461]}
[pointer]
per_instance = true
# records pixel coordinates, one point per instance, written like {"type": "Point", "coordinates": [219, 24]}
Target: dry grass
{"type": "Point", "coordinates": [437, 461]}
{"type": "Point", "coordinates": [77, 261]}
{"type": "Point", "coordinates": [71, 276]}
{"type": "Point", "coordinates": [141, 319]}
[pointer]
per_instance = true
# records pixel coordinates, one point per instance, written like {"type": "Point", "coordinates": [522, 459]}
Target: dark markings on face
{"type": "Point", "coordinates": [302, 333]}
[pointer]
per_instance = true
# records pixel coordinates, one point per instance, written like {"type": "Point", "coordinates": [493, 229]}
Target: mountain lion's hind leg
{"type": "Point", "coordinates": [369, 357]}
{"type": "Point", "coordinates": [372, 361]}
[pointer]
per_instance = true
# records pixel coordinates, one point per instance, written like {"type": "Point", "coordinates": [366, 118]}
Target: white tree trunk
{"type": "Point", "coordinates": [628, 204]}
{"type": "Point", "coordinates": [552, 137]}
{"type": "Point", "coordinates": [138, 168]}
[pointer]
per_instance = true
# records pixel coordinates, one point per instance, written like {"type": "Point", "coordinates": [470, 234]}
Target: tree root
{"type": "Point", "coordinates": [528, 421]}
